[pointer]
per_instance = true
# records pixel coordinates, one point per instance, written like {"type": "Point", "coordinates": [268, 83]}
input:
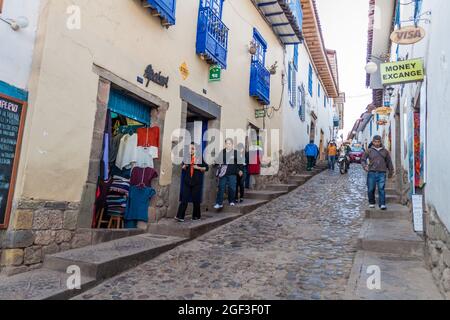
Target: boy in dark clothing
{"type": "Point", "coordinates": [243, 159]}
{"type": "Point", "coordinates": [228, 172]}
{"type": "Point", "coordinates": [377, 162]}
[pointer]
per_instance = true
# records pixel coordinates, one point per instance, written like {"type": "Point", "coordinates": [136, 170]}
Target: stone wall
{"type": "Point", "coordinates": [39, 228]}
{"type": "Point", "coordinates": [438, 250]}
{"type": "Point", "coordinates": [289, 165]}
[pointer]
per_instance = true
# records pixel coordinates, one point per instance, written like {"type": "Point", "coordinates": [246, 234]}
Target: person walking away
{"type": "Point", "coordinates": [194, 171]}
{"type": "Point", "coordinates": [332, 153]}
{"type": "Point", "coordinates": [311, 152]}
{"type": "Point", "coordinates": [377, 162]}
{"type": "Point", "coordinates": [228, 171]}
{"type": "Point", "coordinates": [243, 159]}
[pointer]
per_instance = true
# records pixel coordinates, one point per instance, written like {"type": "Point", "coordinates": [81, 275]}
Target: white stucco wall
{"type": "Point", "coordinates": [435, 49]}
{"type": "Point", "coordinates": [296, 135]}
{"type": "Point", "coordinates": [16, 49]}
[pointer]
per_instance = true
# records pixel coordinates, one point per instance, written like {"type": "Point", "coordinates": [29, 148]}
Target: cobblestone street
{"type": "Point", "coordinates": [300, 246]}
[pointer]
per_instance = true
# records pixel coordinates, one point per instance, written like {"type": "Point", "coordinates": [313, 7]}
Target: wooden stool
{"type": "Point", "coordinates": [100, 220]}
{"type": "Point", "coordinates": [117, 221]}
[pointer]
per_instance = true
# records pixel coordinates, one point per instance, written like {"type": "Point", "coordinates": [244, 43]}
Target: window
{"type": "Point", "coordinates": [292, 79]}
{"type": "Point", "coordinates": [301, 103]}
{"type": "Point", "coordinates": [261, 48]}
{"type": "Point", "coordinates": [215, 5]}
{"type": "Point", "coordinates": [165, 9]}
{"type": "Point", "coordinates": [310, 81]}
{"type": "Point", "coordinates": [325, 101]}
{"type": "Point", "coordinates": [295, 60]}
{"type": "Point", "coordinates": [318, 89]}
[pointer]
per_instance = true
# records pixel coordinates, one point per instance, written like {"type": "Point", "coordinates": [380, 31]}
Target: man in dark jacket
{"type": "Point", "coordinates": [377, 162]}
{"type": "Point", "coordinates": [229, 169]}
{"type": "Point", "coordinates": [194, 170]}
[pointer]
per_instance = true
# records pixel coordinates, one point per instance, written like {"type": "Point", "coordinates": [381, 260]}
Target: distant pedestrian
{"type": "Point", "coordinates": [332, 153]}
{"type": "Point", "coordinates": [312, 153]}
{"type": "Point", "coordinates": [377, 162]}
{"type": "Point", "coordinates": [194, 170]}
{"type": "Point", "coordinates": [243, 159]}
{"type": "Point", "coordinates": [227, 173]}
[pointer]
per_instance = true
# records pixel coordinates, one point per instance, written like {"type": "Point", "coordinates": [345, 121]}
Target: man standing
{"type": "Point", "coordinates": [311, 152]}
{"type": "Point", "coordinates": [332, 153]}
{"type": "Point", "coordinates": [227, 173]}
{"type": "Point", "coordinates": [377, 162]}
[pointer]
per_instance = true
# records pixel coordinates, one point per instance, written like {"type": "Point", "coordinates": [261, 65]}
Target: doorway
{"type": "Point", "coordinates": [322, 145]}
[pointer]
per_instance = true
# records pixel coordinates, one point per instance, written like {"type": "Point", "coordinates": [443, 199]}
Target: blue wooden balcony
{"type": "Point", "coordinates": [165, 9]}
{"type": "Point", "coordinates": [212, 37]}
{"type": "Point", "coordinates": [260, 83]}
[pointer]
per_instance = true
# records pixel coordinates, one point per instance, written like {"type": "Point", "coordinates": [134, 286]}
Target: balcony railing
{"type": "Point", "coordinates": [165, 9]}
{"type": "Point", "coordinates": [260, 83]}
{"type": "Point", "coordinates": [212, 37]}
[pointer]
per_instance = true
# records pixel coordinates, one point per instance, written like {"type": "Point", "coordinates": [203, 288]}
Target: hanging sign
{"type": "Point", "coordinates": [384, 111]}
{"type": "Point", "coordinates": [402, 71]}
{"type": "Point", "coordinates": [215, 73]}
{"type": "Point", "coordinates": [408, 35]}
{"type": "Point", "coordinates": [184, 70]}
{"type": "Point", "coordinates": [417, 201]}
{"type": "Point", "coordinates": [12, 119]}
{"type": "Point", "coordinates": [260, 113]}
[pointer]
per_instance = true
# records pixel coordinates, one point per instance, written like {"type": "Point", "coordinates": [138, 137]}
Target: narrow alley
{"type": "Point", "coordinates": [300, 246]}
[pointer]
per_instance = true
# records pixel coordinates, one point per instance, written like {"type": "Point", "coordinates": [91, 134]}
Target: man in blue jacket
{"type": "Point", "coordinates": [312, 152]}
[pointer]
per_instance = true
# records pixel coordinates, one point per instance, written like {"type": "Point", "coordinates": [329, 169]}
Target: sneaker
{"type": "Point", "coordinates": [196, 219]}
{"type": "Point", "coordinates": [178, 219]}
{"type": "Point", "coordinates": [372, 206]}
{"type": "Point", "coordinates": [384, 208]}
{"type": "Point", "coordinates": [241, 201]}
{"type": "Point", "coordinates": [232, 204]}
{"type": "Point", "coordinates": [218, 206]}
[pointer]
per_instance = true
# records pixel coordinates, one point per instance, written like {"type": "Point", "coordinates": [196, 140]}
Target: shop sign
{"type": "Point", "coordinates": [12, 119]}
{"type": "Point", "coordinates": [184, 70]}
{"type": "Point", "coordinates": [215, 73]}
{"type": "Point", "coordinates": [408, 35]}
{"type": "Point", "coordinates": [402, 71]}
{"type": "Point", "coordinates": [156, 77]}
{"type": "Point", "coordinates": [385, 111]}
{"type": "Point", "coordinates": [260, 113]}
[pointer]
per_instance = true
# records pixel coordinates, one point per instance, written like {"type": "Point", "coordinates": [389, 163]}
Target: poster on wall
{"type": "Point", "coordinates": [12, 117]}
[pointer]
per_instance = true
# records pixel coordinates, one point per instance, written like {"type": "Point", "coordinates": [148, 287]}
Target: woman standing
{"type": "Point", "coordinates": [192, 184]}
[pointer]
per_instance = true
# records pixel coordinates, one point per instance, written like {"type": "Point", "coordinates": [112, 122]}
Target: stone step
{"type": "Point", "coordinates": [297, 183]}
{"type": "Point", "coordinates": [192, 229]}
{"type": "Point", "coordinates": [392, 191]}
{"type": "Point", "coordinates": [390, 236]}
{"type": "Point", "coordinates": [247, 206]}
{"type": "Point", "coordinates": [282, 187]}
{"type": "Point", "coordinates": [390, 198]}
{"type": "Point", "coordinates": [264, 194]}
{"type": "Point", "coordinates": [108, 259]}
{"type": "Point", "coordinates": [41, 284]}
{"type": "Point", "coordinates": [395, 211]}
{"type": "Point", "coordinates": [402, 278]}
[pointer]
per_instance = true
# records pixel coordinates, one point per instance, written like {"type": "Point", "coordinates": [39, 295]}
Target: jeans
{"type": "Point", "coordinates": [231, 181]}
{"type": "Point", "coordinates": [311, 164]}
{"type": "Point", "coordinates": [331, 162]}
{"type": "Point", "coordinates": [374, 180]}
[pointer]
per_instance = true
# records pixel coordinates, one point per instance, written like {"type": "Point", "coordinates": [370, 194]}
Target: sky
{"type": "Point", "coordinates": [345, 26]}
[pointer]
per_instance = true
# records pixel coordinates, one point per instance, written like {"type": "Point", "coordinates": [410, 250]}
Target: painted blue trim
{"type": "Point", "coordinates": [297, 11]}
{"type": "Point", "coordinates": [310, 81]}
{"type": "Point", "coordinates": [13, 92]}
{"type": "Point", "coordinates": [166, 8]}
{"type": "Point", "coordinates": [296, 57]}
{"type": "Point", "coordinates": [258, 37]}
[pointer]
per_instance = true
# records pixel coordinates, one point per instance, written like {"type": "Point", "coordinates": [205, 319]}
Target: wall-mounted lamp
{"type": "Point", "coordinates": [372, 67]}
{"type": "Point", "coordinates": [16, 24]}
{"type": "Point", "coordinates": [252, 48]}
{"type": "Point", "coordinates": [273, 68]}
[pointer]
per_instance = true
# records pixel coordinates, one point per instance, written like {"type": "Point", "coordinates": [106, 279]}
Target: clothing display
{"type": "Point", "coordinates": [149, 137]}
{"type": "Point", "coordinates": [142, 176]}
{"type": "Point", "coordinates": [138, 203]}
{"type": "Point", "coordinates": [127, 154]}
{"type": "Point", "coordinates": [126, 170]}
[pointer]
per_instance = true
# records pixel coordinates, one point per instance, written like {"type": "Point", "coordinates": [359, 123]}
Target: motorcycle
{"type": "Point", "coordinates": [343, 162]}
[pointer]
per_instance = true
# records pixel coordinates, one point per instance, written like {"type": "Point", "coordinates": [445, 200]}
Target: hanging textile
{"type": "Point", "coordinates": [129, 107]}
